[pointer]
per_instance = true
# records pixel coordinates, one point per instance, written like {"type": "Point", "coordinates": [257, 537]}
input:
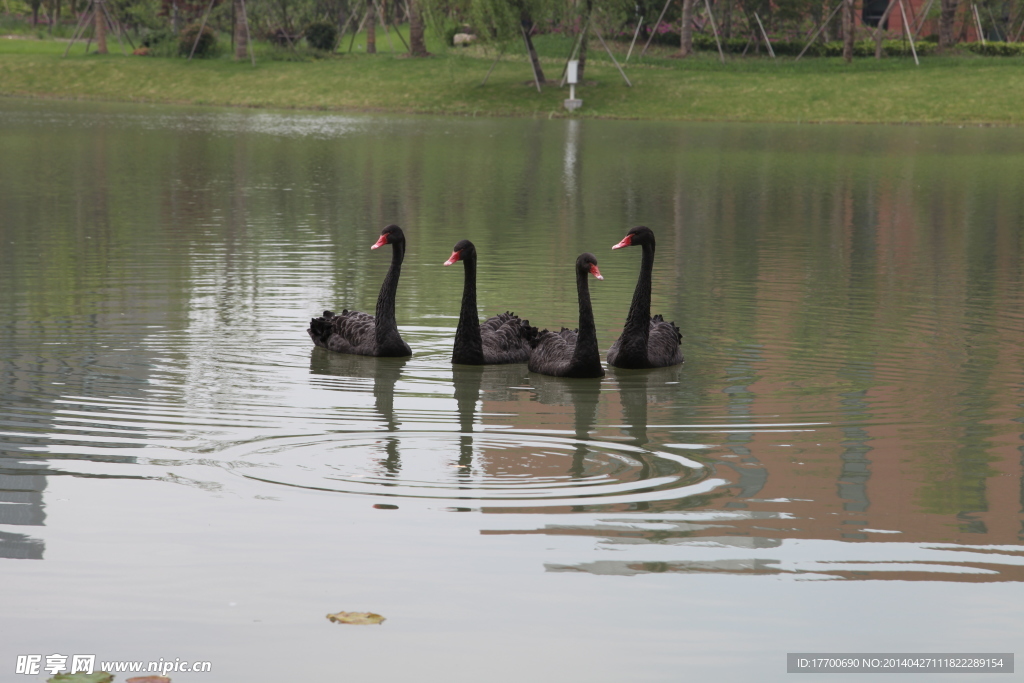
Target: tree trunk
{"type": "Point", "coordinates": [241, 35]}
{"type": "Point", "coordinates": [417, 44]}
{"type": "Point", "coordinates": [538, 72]}
{"type": "Point", "coordinates": [947, 19]}
{"type": "Point", "coordinates": [686, 31]}
{"type": "Point", "coordinates": [848, 29]}
{"type": "Point", "coordinates": [371, 28]}
{"type": "Point", "coordinates": [585, 27]}
{"type": "Point", "coordinates": [101, 28]}
{"type": "Point", "coordinates": [880, 30]}
{"type": "Point", "coordinates": [581, 68]}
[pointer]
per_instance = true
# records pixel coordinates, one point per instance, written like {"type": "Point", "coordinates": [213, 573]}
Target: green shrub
{"type": "Point", "coordinates": [994, 49]}
{"type": "Point", "coordinates": [449, 32]}
{"type": "Point", "coordinates": [160, 43]}
{"type": "Point", "coordinates": [322, 35]}
{"type": "Point", "coordinates": [834, 48]}
{"type": "Point", "coordinates": [206, 47]}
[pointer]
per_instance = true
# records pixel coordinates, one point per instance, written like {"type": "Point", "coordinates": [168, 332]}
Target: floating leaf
{"type": "Point", "coordinates": [98, 677]}
{"type": "Point", "coordinates": [149, 679]}
{"type": "Point", "coordinates": [362, 618]}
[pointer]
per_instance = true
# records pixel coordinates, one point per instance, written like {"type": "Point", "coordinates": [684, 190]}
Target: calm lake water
{"type": "Point", "coordinates": [838, 466]}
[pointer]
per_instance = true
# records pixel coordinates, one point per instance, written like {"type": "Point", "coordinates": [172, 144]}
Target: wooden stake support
{"type": "Point", "coordinates": [655, 29]}
{"type": "Point", "coordinates": [906, 28]}
{"type": "Point", "coordinates": [714, 29]}
{"type": "Point", "coordinates": [818, 32]}
{"type": "Point", "coordinates": [526, 44]}
{"type": "Point", "coordinates": [764, 33]}
{"type": "Point", "coordinates": [615, 61]}
{"type": "Point", "coordinates": [639, 23]}
{"type": "Point", "coordinates": [86, 20]}
{"type": "Point", "coordinates": [202, 26]}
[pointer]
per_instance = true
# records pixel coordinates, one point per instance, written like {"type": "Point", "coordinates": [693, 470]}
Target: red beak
{"type": "Point", "coordinates": [626, 241]}
{"type": "Point", "coordinates": [596, 273]}
{"type": "Point", "coordinates": [453, 258]}
{"type": "Point", "coordinates": [381, 242]}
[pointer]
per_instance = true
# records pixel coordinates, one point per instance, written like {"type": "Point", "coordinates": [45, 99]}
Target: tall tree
{"type": "Point", "coordinates": [417, 43]}
{"type": "Point", "coordinates": [947, 19]}
{"type": "Point", "coordinates": [686, 30]}
{"type": "Point", "coordinates": [101, 28]}
{"type": "Point", "coordinates": [371, 28]}
{"type": "Point", "coordinates": [584, 22]}
{"type": "Point", "coordinates": [241, 31]}
{"type": "Point", "coordinates": [848, 29]}
{"type": "Point", "coordinates": [527, 25]}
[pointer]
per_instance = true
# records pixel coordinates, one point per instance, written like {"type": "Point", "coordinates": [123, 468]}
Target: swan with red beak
{"type": "Point", "coordinates": [504, 338]}
{"type": "Point", "coordinates": [363, 334]}
{"type": "Point", "coordinates": [646, 342]}
{"type": "Point", "coordinates": [572, 353]}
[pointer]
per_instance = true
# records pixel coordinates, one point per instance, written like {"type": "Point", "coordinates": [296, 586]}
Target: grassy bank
{"type": "Point", "coordinates": [943, 90]}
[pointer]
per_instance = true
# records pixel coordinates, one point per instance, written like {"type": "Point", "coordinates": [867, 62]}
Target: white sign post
{"type": "Point", "coordinates": [572, 77]}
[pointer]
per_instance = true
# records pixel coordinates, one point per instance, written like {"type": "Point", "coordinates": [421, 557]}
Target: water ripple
{"type": "Point", "coordinates": [510, 468]}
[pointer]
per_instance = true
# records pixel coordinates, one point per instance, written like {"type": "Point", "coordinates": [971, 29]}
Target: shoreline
{"type": "Point", "coordinates": [956, 91]}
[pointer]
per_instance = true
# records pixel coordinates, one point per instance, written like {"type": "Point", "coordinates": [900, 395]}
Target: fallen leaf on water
{"type": "Point", "coordinates": [149, 679]}
{"type": "Point", "coordinates": [355, 618]}
{"type": "Point", "coordinates": [98, 677]}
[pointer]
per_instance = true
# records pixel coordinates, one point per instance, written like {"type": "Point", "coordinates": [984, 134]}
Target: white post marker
{"type": "Point", "coordinates": [572, 76]}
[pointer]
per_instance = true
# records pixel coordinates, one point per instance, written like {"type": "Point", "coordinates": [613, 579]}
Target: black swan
{"type": "Point", "coordinates": [498, 340]}
{"type": "Point", "coordinates": [362, 334]}
{"type": "Point", "coordinates": [572, 353]}
{"type": "Point", "coordinates": [646, 342]}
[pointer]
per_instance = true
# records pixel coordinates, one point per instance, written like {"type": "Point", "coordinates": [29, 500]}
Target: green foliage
{"type": "Point", "coordinates": [206, 47]}
{"type": "Point", "coordinates": [866, 48]}
{"type": "Point", "coordinates": [139, 14]}
{"type": "Point", "coordinates": [792, 48]}
{"type": "Point", "coordinates": [322, 35]}
{"type": "Point", "coordinates": [496, 21]}
{"type": "Point", "coordinates": [161, 43]}
{"type": "Point", "coordinates": [994, 49]}
{"type": "Point", "coordinates": [448, 31]}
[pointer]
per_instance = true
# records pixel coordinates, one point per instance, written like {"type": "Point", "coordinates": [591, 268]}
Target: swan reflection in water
{"type": "Point", "coordinates": [516, 387]}
{"type": "Point", "coordinates": [584, 395]}
{"type": "Point", "coordinates": [514, 397]}
{"type": "Point", "coordinates": [639, 389]}
{"type": "Point", "coordinates": [476, 383]}
{"type": "Point", "coordinates": [385, 373]}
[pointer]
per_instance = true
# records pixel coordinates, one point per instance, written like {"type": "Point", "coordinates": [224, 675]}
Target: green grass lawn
{"type": "Point", "coordinates": [943, 90]}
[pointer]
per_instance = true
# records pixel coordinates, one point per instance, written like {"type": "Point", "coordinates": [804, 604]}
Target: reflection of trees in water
{"type": "Point", "coordinates": [385, 373]}
{"type": "Point", "coordinates": [21, 503]}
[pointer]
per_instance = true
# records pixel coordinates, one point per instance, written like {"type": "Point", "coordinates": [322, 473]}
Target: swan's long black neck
{"type": "Point", "coordinates": [638, 321]}
{"type": "Point", "coordinates": [385, 325]}
{"type": "Point", "coordinates": [586, 354]}
{"type": "Point", "coordinates": [468, 348]}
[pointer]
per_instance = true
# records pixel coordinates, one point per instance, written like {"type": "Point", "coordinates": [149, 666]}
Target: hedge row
{"type": "Point", "coordinates": [991, 49]}
{"type": "Point", "coordinates": [863, 48]}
